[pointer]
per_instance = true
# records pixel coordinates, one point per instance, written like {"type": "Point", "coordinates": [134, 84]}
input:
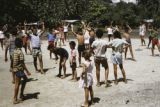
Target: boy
{"type": "Point", "coordinates": [99, 47]}
{"type": "Point", "coordinates": [117, 46]}
{"type": "Point", "coordinates": [63, 58]}
{"type": "Point", "coordinates": [142, 32]}
{"type": "Point", "coordinates": [127, 31]}
{"type": "Point", "coordinates": [81, 46]}
{"type": "Point", "coordinates": [11, 46]}
{"type": "Point", "coordinates": [18, 68]}
{"type": "Point", "coordinates": [73, 60]}
{"type": "Point", "coordinates": [36, 48]}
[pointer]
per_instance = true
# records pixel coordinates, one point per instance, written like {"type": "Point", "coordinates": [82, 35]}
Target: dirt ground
{"type": "Point", "coordinates": [142, 90]}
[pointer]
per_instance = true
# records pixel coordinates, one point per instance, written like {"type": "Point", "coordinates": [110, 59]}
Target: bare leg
{"type": "Point", "coordinates": [23, 87]}
{"type": "Point", "coordinates": [91, 94]}
{"type": "Point", "coordinates": [106, 75]}
{"type": "Point", "coordinates": [123, 73]}
{"type": "Point", "coordinates": [98, 74]}
{"type": "Point", "coordinates": [35, 63]}
{"type": "Point", "coordinates": [41, 63]}
{"type": "Point", "coordinates": [131, 51]}
{"type": "Point", "coordinates": [1, 44]}
{"type": "Point", "coordinates": [16, 90]}
{"type": "Point", "coordinates": [115, 73]}
{"type": "Point", "coordinates": [80, 55]}
{"type": "Point", "coordinates": [126, 49]}
{"type": "Point", "coordinates": [152, 49]}
{"type": "Point", "coordinates": [86, 97]}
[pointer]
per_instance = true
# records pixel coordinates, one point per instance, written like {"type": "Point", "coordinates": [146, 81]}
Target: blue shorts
{"type": "Point", "coordinates": [20, 74]}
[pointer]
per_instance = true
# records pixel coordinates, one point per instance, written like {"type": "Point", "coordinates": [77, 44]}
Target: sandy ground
{"type": "Point", "coordinates": [142, 90]}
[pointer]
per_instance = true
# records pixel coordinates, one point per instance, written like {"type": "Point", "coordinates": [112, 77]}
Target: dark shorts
{"type": "Point", "coordinates": [128, 41]}
{"type": "Point", "coordinates": [73, 65]}
{"type": "Point", "coordinates": [81, 48]}
{"type": "Point", "coordinates": [109, 35]}
{"type": "Point", "coordinates": [20, 74]}
{"type": "Point", "coordinates": [91, 40]}
{"type": "Point", "coordinates": [101, 60]}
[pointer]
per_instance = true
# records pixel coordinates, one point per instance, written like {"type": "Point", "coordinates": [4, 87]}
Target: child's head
{"type": "Point", "coordinates": [99, 33]}
{"type": "Point", "coordinates": [18, 43]}
{"type": "Point", "coordinates": [79, 31]}
{"type": "Point", "coordinates": [117, 34]}
{"type": "Point", "coordinates": [72, 44]}
{"type": "Point", "coordinates": [87, 54]}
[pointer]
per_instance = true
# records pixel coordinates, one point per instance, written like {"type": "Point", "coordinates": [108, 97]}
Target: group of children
{"type": "Point", "coordinates": [87, 46]}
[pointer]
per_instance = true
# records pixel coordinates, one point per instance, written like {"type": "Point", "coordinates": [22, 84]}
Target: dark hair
{"type": "Point", "coordinates": [117, 34]}
{"type": "Point", "coordinates": [99, 33]}
{"type": "Point", "coordinates": [72, 43]}
{"type": "Point", "coordinates": [87, 54]}
{"type": "Point", "coordinates": [79, 31]}
{"type": "Point", "coordinates": [14, 31]}
{"type": "Point", "coordinates": [18, 43]}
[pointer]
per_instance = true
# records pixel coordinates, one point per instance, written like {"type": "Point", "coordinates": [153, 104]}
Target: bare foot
{"type": "Point", "coordinates": [116, 82]}
{"type": "Point", "coordinates": [98, 84]}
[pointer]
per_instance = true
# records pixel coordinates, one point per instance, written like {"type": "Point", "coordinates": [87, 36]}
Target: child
{"type": "Point", "coordinates": [109, 31]}
{"type": "Point", "coordinates": [18, 68]}
{"type": "Point", "coordinates": [1, 37]}
{"type": "Point", "coordinates": [142, 33]}
{"type": "Point", "coordinates": [73, 60]}
{"type": "Point", "coordinates": [63, 58]}
{"type": "Point", "coordinates": [155, 41]}
{"type": "Point", "coordinates": [127, 31]}
{"type": "Point", "coordinates": [117, 46]}
{"type": "Point", "coordinates": [36, 48]}
{"type": "Point", "coordinates": [51, 39]}
{"type": "Point", "coordinates": [81, 46]}
{"type": "Point", "coordinates": [150, 34]}
{"type": "Point", "coordinates": [99, 47]}
{"type": "Point", "coordinates": [86, 78]}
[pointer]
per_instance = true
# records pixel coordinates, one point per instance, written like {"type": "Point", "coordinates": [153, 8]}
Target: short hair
{"type": "Point", "coordinates": [87, 54]}
{"type": "Point", "coordinates": [72, 43]}
{"type": "Point", "coordinates": [117, 34]}
{"type": "Point", "coordinates": [79, 31]}
{"type": "Point", "coordinates": [99, 33]}
{"type": "Point", "coordinates": [14, 31]}
{"type": "Point", "coordinates": [18, 43]}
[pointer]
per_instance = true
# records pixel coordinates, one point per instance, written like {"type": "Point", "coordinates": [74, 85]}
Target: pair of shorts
{"type": "Point", "coordinates": [101, 60]}
{"type": "Point", "coordinates": [129, 40]}
{"type": "Point", "coordinates": [109, 35]}
{"type": "Point", "coordinates": [20, 74]}
{"type": "Point", "coordinates": [73, 65]}
{"type": "Point", "coordinates": [117, 58]}
{"type": "Point", "coordinates": [81, 48]}
{"type": "Point", "coordinates": [155, 41]}
{"type": "Point", "coordinates": [36, 52]}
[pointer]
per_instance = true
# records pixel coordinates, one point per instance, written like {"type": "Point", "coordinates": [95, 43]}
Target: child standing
{"type": "Point", "coordinates": [73, 60]}
{"type": "Point", "coordinates": [99, 47]}
{"type": "Point", "coordinates": [81, 46]}
{"type": "Point", "coordinates": [155, 41]}
{"type": "Point", "coordinates": [127, 31]}
{"type": "Point", "coordinates": [18, 68]}
{"type": "Point", "coordinates": [86, 78]}
{"type": "Point", "coordinates": [117, 46]}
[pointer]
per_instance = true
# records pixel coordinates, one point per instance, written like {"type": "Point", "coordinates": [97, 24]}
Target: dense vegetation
{"type": "Point", "coordinates": [101, 11]}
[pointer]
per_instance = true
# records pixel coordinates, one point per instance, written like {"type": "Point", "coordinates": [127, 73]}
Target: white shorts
{"type": "Point", "coordinates": [116, 58]}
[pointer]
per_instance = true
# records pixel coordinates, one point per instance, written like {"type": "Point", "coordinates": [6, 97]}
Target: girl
{"type": "Point", "coordinates": [73, 60]}
{"type": "Point", "coordinates": [86, 79]}
{"type": "Point", "coordinates": [117, 46]}
{"type": "Point", "coordinates": [142, 33]}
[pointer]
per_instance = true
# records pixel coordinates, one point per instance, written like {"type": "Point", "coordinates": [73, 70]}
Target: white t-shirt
{"type": "Point", "coordinates": [1, 35]}
{"type": "Point", "coordinates": [110, 31]}
{"type": "Point", "coordinates": [118, 45]}
{"type": "Point", "coordinates": [86, 37]}
{"type": "Point", "coordinates": [65, 28]}
{"type": "Point", "coordinates": [99, 47]}
{"type": "Point", "coordinates": [142, 30]}
{"type": "Point", "coordinates": [73, 54]}
{"type": "Point", "coordinates": [35, 41]}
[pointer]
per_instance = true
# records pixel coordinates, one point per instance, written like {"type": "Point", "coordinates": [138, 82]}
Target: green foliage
{"type": "Point", "coordinates": [52, 11]}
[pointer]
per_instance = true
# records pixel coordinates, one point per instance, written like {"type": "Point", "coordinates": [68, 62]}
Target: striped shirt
{"type": "Point", "coordinates": [18, 60]}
